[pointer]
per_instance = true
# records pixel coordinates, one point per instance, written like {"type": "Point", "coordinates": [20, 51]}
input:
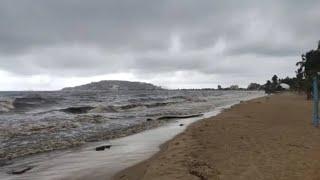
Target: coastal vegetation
{"type": "Point", "coordinates": [307, 68]}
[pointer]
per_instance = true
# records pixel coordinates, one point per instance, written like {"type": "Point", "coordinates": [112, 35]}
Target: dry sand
{"type": "Point", "coordinates": [266, 138]}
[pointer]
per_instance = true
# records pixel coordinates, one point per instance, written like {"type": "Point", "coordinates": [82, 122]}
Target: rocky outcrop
{"type": "Point", "coordinates": [20, 170]}
{"type": "Point", "coordinates": [102, 148]}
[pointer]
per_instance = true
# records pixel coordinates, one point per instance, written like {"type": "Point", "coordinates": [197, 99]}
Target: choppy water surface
{"type": "Point", "coordinates": [32, 122]}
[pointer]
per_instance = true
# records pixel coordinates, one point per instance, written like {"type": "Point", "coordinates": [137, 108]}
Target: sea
{"type": "Point", "coordinates": [36, 122]}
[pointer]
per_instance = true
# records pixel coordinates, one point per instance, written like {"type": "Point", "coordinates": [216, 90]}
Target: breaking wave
{"type": "Point", "coordinates": [77, 110]}
{"type": "Point", "coordinates": [6, 105]}
{"type": "Point", "coordinates": [23, 103]}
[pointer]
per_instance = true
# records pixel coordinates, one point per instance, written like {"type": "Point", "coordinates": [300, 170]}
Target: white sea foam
{"type": "Point", "coordinates": [6, 105]}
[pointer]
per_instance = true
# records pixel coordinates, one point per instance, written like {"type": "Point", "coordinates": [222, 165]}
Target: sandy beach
{"type": "Point", "coordinates": [159, 90]}
{"type": "Point", "coordinates": [266, 138]}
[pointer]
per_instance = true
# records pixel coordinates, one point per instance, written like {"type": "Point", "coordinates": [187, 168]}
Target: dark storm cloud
{"type": "Point", "coordinates": [141, 24]}
{"type": "Point", "coordinates": [86, 38]}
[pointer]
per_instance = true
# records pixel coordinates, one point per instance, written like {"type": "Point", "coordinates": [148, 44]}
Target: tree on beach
{"type": "Point", "coordinates": [277, 85]}
{"type": "Point", "coordinates": [292, 82]}
{"type": "Point", "coordinates": [254, 86]}
{"type": "Point", "coordinates": [268, 87]}
{"type": "Point", "coordinates": [274, 80]}
{"type": "Point", "coordinates": [308, 68]}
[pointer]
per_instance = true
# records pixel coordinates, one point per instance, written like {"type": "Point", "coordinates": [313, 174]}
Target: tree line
{"type": "Point", "coordinates": [307, 68]}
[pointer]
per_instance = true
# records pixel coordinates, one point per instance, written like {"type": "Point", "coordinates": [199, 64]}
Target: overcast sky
{"type": "Point", "coordinates": [50, 44]}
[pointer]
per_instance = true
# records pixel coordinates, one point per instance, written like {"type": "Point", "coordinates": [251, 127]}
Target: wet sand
{"type": "Point", "coordinates": [266, 138]}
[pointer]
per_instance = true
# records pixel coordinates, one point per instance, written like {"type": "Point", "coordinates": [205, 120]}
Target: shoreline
{"type": "Point", "coordinates": [266, 138]}
{"type": "Point", "coordinates": [136, 171]}
{"type": "Point", "coordinates": [124, 153]}
{"type": "Point", "coordinates": [75, 130]}
{"type": "Point", "coordinates": [128, 131]}
{"type": "Point", "coordinates": [157, 147]}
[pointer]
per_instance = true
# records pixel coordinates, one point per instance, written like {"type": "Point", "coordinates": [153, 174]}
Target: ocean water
{"type": "Point", "coordinates": [34, 122]}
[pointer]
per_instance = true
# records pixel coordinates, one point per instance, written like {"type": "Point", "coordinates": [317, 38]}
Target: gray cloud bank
{"type": "Point", "coordinates": [221, 40]}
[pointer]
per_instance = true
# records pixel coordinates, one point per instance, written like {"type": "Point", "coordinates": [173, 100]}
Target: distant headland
{"type": "Point", "coordinates": [113, 85]}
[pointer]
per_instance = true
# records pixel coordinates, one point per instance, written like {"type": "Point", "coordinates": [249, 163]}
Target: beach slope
{"type": "Point", "coordinates": [266, 138]}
